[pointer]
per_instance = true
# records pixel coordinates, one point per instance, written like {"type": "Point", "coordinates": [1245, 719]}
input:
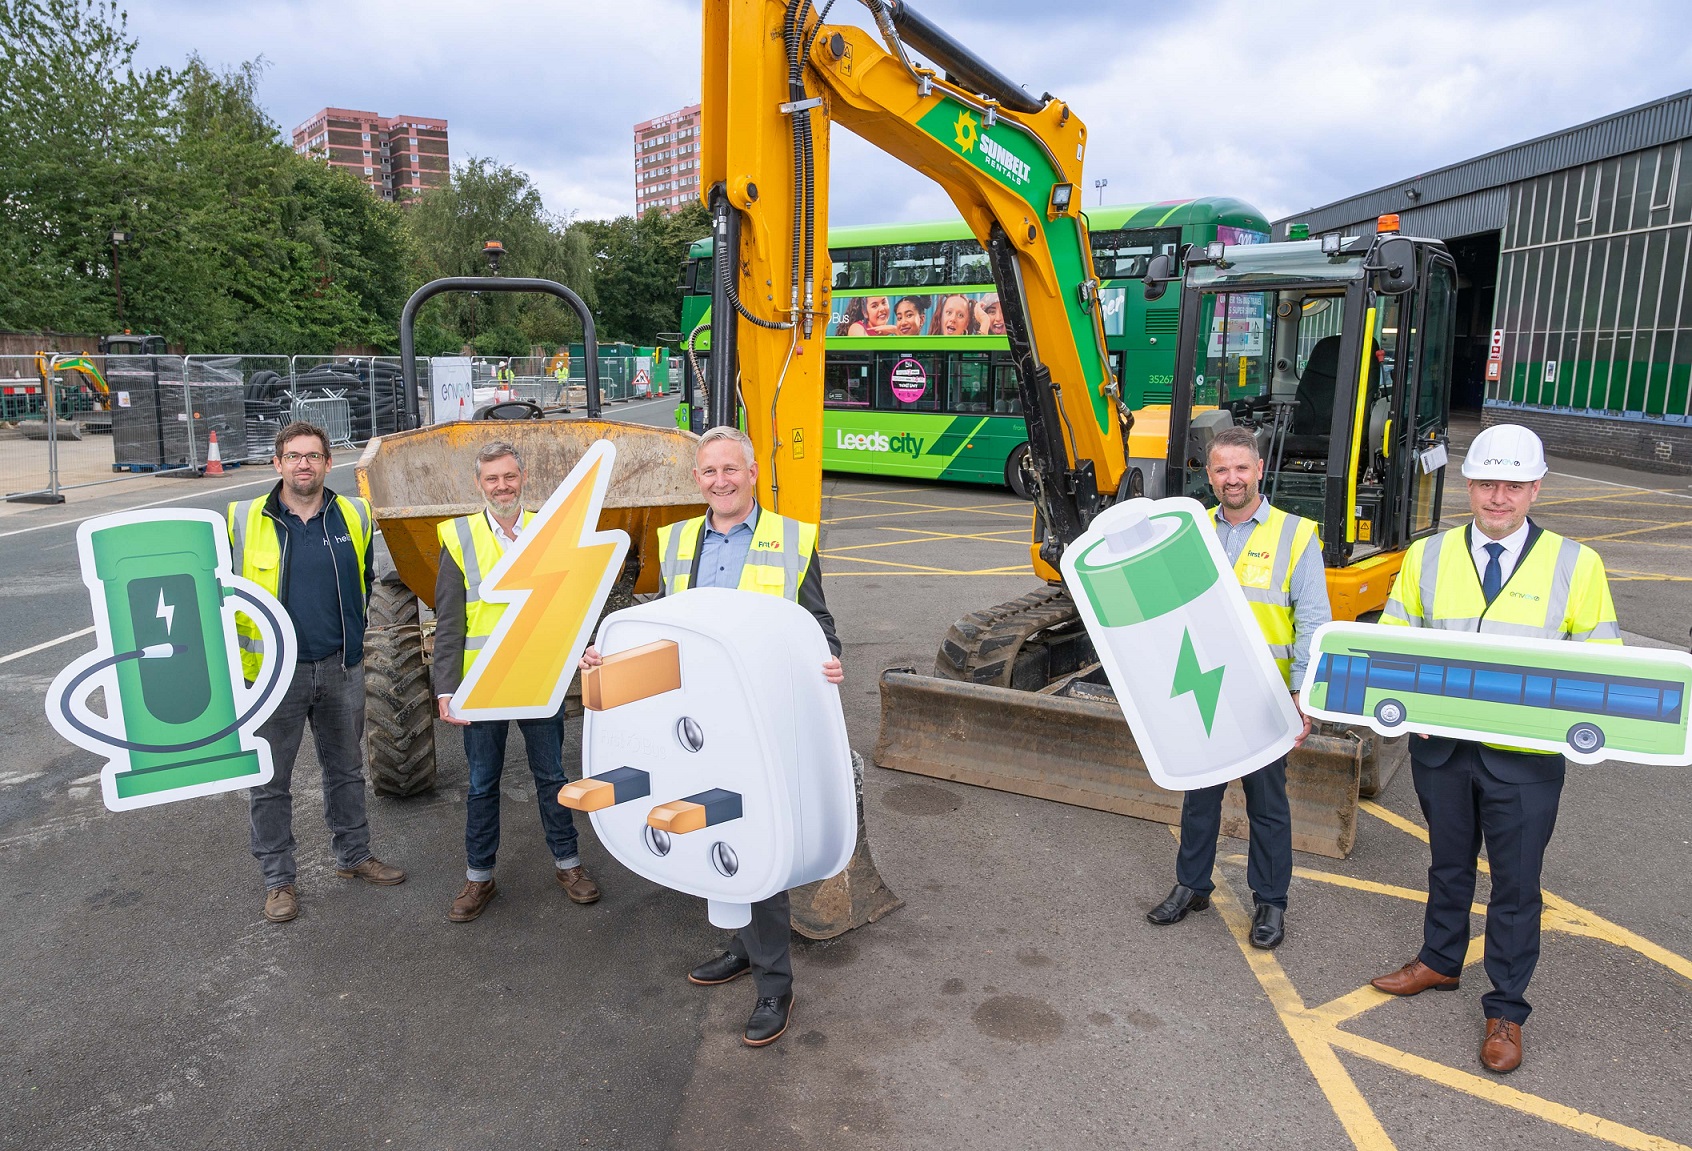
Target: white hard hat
{"type": "Point", "coordinates": [1505, 452]}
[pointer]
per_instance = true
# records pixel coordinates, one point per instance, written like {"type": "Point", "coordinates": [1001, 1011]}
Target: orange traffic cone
{"type": "Point", "coordinates": [214, 458]}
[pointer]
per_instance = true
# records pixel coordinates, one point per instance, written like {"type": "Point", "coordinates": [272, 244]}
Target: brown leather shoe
{"type": "Point", "coordinates": [373, 870]}
{"type": "Point", "coordinates": [472, 901]}
{"type": "Point", "coordinates": [577, 885]}
{"type": "Point", "coordinates": [281, 904]}
{"type": "Point", "coordinates": [1414, 978]}
{"type": "Point", "coordinates": [1501, 1051]}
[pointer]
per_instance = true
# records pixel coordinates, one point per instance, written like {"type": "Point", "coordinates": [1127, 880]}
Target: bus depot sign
{"type": "Point", "coordinates": [1589, 701]}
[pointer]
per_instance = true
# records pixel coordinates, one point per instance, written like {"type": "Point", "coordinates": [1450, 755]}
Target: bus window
{"type": "Point", "coordinates": [1430, 679]}
{"type": "Point", "coordinates": [853, 267]}
{"type": "Point", "coordinates": [1634, 702]}
{"type": "Point", "coordinates": [971, 383]}
{"type": "Point", "coordinates": [971, 263]}
{"type": "Point", "coordinates": [1538, 691]}
{"type": "Point", "coordinates": [1578, 694]}
{"type": "Point", "coordinates": [1007, 397]}
{"type": "Point", "coordinates": [913, 265]}
{"type": "Point", "coordinates": [1124, 254]}
{"type": "Point", "coordinates": [1458, 681]}
{"type": "Point", "coordinates": [1392, 675]}
{"type": "Point", "coordinates": [846, 381]}
{"type": "Point", "coordinates": [1498, 686]}
{"type": "Point", "coordinates": [908, 382]}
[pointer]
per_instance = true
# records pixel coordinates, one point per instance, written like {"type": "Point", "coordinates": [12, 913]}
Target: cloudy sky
{"type": "Point", "coordinates": [1287, 104]}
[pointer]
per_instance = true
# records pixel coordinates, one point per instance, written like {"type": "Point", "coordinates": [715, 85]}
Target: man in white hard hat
{"type": "Point", "coordinates": [1502, 574]}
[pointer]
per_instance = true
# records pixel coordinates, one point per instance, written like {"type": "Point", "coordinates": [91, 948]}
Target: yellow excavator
{"type": "Point", "coordinates": [1336, 350]}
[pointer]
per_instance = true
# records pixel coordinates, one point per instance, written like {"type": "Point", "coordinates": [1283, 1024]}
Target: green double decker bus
{"type": "Point", "coordinates": [1588, 696]}
{"type": "Point", "coordinates": [919, 381]}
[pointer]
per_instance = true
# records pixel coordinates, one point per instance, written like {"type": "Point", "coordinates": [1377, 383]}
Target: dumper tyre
{"type": "Point", "coordinates": [399, 704]}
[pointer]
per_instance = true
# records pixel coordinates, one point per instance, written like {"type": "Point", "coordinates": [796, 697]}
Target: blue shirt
{"type": "Point", "coordinates": [723, 555]}
{"type": "Point", "coordinates": [311, 591]}
{"type": "Point", "coordinates": [1309, 583]}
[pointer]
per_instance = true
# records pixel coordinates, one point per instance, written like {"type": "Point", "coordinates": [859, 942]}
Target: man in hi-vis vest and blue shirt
{"type": "Point", "coordinates": [1501, 575]}
{"type": "Point", "coordinates": [1277, 558]}
{"type": "Point", "coordinates": [310, 548]}
{"type": "Point", "coordinates": [739, 545]}
{"type": "Point", "coordinates": [470, 547]}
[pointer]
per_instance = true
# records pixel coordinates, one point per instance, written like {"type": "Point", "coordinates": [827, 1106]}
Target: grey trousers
{"type": "Point", "coordinates": [767, 942]}
{"type": "Point", "coordinates": [331, 697]}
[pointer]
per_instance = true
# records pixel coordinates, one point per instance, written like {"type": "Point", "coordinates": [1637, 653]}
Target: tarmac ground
{"type": "Point", "coordinates": [1019, 999]}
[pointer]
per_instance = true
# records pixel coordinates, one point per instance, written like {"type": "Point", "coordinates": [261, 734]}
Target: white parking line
{"type": "Point", "coordinates": [48, 644]}
{"type": "Point", "coordinates": [1614, 484]}
{"type": "Point", "coordinates": [156, 503]}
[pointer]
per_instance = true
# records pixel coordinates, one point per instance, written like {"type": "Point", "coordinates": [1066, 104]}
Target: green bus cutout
{"type": "Point", "coordinates": [1589, 701]}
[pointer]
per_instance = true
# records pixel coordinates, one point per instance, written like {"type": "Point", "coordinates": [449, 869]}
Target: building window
{"type": "Point", "coordinates": [367, 170]}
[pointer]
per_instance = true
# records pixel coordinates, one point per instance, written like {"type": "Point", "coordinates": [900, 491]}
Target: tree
{"type": "Point", "coordinates": [447, 228]}
{"type": "Point", "coordinates": [637, 262]}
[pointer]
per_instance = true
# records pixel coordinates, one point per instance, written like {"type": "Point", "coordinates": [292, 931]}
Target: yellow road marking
{"type": "Point", "coordinates": [1316, 1031]}
{"type": "Point", "coordinates": [1637, 531]}
{"type": "Point", "coordinates": [981, 509]}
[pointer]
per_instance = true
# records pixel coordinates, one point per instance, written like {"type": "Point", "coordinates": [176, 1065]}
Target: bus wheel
{"type": "Point", "coordinates": [1015, 479]}
{"type": "Point", "coordinates": [1390, 712]}
{"type": "Point", "coordinates": [1586, 738]}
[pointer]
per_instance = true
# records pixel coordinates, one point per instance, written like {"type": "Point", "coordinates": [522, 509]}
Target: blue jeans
{"type": "Point", "coordinates": [332, 698]}
{"type": "Point", "coordinates": [484, 747]}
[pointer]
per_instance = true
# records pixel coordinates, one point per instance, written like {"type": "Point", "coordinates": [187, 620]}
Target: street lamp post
{"type": "Point", "coordinates": [117, 278]}
{"type": "Point", "coordinates": [1100, 185]}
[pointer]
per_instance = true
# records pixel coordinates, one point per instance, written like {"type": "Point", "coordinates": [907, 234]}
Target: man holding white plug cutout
{"type": "Point", "coordinates": [739, 545]}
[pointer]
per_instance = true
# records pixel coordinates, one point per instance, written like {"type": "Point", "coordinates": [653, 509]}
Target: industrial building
{"type": "Point", "coordinates": [397, 157]}
{"type": "Point", "coordinates": [667, 160]}
{"type": "Point", "coordinates": [1573, 314]}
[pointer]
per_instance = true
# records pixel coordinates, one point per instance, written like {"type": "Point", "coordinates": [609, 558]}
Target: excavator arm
{"type": "Point", "coordinates": [775, 78]}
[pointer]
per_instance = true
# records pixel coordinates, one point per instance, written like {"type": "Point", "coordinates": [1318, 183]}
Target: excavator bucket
{"type": "Point", "coordinates": [851, 899]}
{"type": "Point", "coordinates": [1071, 744]}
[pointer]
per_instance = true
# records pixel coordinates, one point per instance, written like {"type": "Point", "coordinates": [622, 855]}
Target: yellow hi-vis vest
{"type": "Point", "coordinates": [776, 562]}
{"type": "Point", "coordinates": [255, 549]}
{"type": "Point", "coordinates": [471, 543]}
{"type": "Point", "coordinates": [1265, 569]}
{"type": "Point", "coordinates": [1557, 590]}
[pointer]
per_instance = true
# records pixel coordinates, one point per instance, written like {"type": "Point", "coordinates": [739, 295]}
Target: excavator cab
{"type": "Point", "coordinates": [1336, 352]}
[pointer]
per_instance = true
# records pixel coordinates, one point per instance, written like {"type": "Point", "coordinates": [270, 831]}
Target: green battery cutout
{"type": "Point", "coordinates": [174, 724]}
{"type": "Point", "coordinates": [1178, 643]}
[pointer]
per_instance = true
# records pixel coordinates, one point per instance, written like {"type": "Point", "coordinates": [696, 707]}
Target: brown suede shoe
{"type": "Point", "coordinates": [577, 885]}
{"type": "Point", "coordinates": [1501, 1051]}
{"type": "Point", "coordinates": [281, 904]}
{"type": "Point", "coordinates": [373, 870]}
{"type": "Point", "coordinates": [1414, 978]}
{"type": "Point", "coordinates": [472, 901]}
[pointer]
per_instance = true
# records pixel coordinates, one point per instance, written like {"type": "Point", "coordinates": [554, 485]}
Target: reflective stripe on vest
{"type": "Point", "coordinates": [473, 546]}
{"type": "Point", "coordinates": [255, 551]}
{"type": "Point", "coordinates": [776, 561]}
{"type": "Point", "coordinates": [1264, 570]}
{"type": "Point", "coordinates": [1533, 603]}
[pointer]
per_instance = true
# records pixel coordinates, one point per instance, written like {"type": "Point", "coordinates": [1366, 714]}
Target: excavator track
{"type": "Point", "coordinates": [1024, 643]}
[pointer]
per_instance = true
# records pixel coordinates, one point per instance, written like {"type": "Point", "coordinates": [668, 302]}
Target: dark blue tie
{"type": "Point", "coordinates": [1493, 578]}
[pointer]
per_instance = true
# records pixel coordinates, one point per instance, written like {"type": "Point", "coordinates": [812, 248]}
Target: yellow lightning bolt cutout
{"type": "Point", "coordinates": [553, 581]}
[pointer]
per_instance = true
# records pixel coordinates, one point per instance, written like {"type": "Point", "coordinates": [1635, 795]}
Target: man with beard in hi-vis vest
{"type": "Point", "coordinates": [739, 545]}
{"type": "Point", "coordinates": [310, 548]}
{"type": "Point", "coordinates": [1501, 575]}
{"type": "Point", "coordinates": [470, 547]}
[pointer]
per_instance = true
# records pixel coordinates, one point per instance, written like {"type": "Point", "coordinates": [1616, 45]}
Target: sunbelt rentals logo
{"type": "Point", "coordinates": [903, 444]}
{"type": "Point", "coordinates": [994, 155]}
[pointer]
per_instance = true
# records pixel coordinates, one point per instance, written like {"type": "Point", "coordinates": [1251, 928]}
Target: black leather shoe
{"type": "Point", "coordinates": [1268, 927]}
{"type": "Point", "coordinates": [769, 1020]}
{"type": "Point", "coordinates": [1174, 909]}
{"type": "Point", "coordinates": [725, 968]}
